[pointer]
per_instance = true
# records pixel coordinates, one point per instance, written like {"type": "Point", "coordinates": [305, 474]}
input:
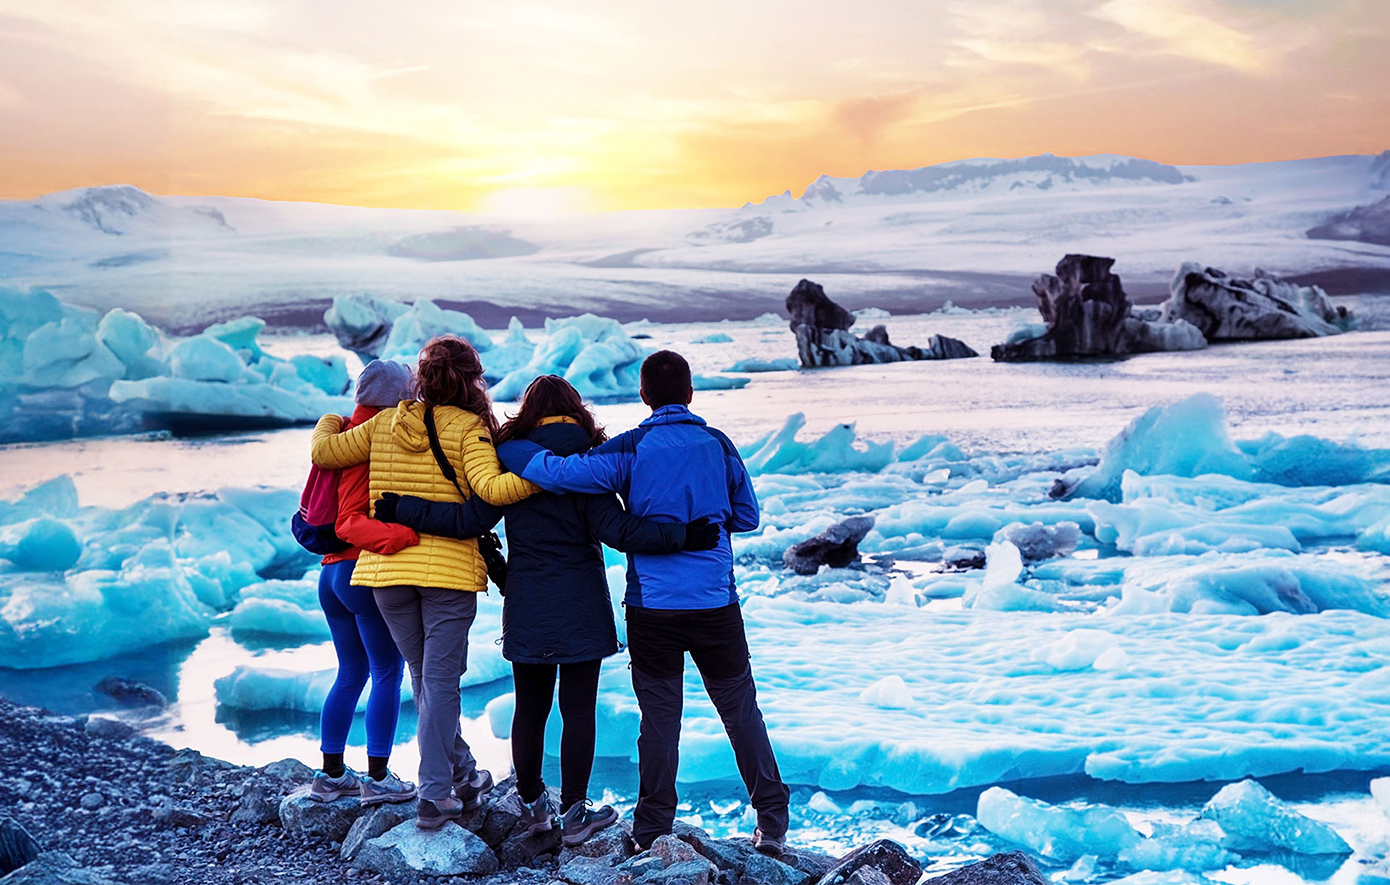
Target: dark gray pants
{"type": "Point", "coordinates": [657, 641]}
{"type": "Point", "coordinates": [430, 626]}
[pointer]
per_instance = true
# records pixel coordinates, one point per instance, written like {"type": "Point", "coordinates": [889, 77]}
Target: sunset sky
{"type": "Point", "coordinates": [619, 104]}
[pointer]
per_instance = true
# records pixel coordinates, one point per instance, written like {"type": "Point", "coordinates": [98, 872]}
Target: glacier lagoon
{"type": "Point", "coordinates": [1154, 664]}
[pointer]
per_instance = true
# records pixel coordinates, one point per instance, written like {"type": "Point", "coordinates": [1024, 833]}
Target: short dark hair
{"type": "Point", "coordinates": [666, 379]}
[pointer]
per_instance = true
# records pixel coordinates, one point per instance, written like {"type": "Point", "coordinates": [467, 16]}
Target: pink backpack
{"type": "Point", "coordinates": [313, 523]}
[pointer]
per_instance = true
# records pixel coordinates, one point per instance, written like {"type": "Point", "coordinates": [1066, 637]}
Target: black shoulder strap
{"type": "Point", "coordinates": [444, 466]}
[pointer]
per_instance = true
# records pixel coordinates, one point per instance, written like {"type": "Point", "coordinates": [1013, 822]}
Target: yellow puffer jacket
{"type": "Point", "coordinates": [396, 444]}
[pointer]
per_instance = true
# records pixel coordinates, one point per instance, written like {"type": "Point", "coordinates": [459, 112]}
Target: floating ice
{"type": "Point", "coordinates": [1189, 438]}
{"type": "Point", "coordinates": [593, 353]}
{"type": "Point", "coordinates": [66, 371]}
{"type": "Point", "coordinates": [1062, 834]}
{"type": "Point", "coordinates": [281, 608]}
{"type": "Point", "coordinates": [250, 687]}
{"type": "Point", "coordinates": [82, 584]}
{"type": "Point", "coordinates": [1254, 819]}
{"type": "Point", "coordinates": [889, 693]}
{"type": "Point", "coordinates": [712, 338]}
{"type": "Point", "coordinates": [754, 364]}
{"type": "Point", "coordinates": [834, 452]}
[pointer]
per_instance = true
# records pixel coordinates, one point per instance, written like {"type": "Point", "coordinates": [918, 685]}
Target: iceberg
{"type": "Point", "coordinates": [835, 452]}
{"type": "Point", "coordinates": [80, 584]}
{"type": "Point", "coordinates": [1061, 834]}
{"type": "Point", "coordinates": [68, 371]}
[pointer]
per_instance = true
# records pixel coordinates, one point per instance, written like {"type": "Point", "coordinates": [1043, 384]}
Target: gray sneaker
{"type": "Point", "coordinates": [327, 789]}
{"type": "Point", "coordinates": [538, 816]}
{"type": "Point", "coordinates": [582, 821]}
{"type": "Point", "coordinates": [434, 814]}
{"type": "Point", "coordinates": [388, 789]}
{"type": "Point", "coordinates": [472, 791]}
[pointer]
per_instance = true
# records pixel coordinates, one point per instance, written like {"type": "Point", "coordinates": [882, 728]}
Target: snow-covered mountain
{"type": "Point", "coordinates": [974, 231]}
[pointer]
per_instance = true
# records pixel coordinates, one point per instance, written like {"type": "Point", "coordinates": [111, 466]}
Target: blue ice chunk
{"type": "Point", "coordinates": [712, 338]}
{"type": "Point", "coordinates": [67, 354]}
{"type": "Point", "coordinates": [41, 545]}
{"type": "Point", "coordinates": [1312, 461]}
{"type": "Point", "coordinates": [1187, 438]}
{"type": "Point", "coordinates": [593, 353]}
{"type": "Point", "coordinates": [239, 334]}
{"type": "Point", "coordinates": [718, 382]}
{"type": "Point", "coordinates": [413, 329]}
{"type": "Point", "coordinates": [1239, 585]}
{"type": "Point", "coordinates": [56, 497]}
{"type": "Point", "coordinates": [754, 364]}
{"type": "Point", "coordinates": [328, 374]}
{"type": "Point", "coordinates": [835, 452]}
{"type": "Point", "coordinates": [136, 343]}
{"type": "Point", "coordinates": [1254, 819]}
{"type": "Point", "coordinates": [204, 358]}
{"type": "Point", "coordinates": [1193, 846]}
{"type": "Point", "coordinates": [1061, 834]}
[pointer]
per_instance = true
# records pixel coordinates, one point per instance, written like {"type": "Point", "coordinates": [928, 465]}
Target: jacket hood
{"type": "Point", "coordinates": [562, 438]}
{"type": "Point", "coordinates": [408, 424]}
{"type": "Point", "coordinates": [673, 415]}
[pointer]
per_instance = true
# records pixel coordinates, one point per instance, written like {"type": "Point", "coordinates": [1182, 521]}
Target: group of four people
{"type": "Point", "coordinates": [421, 455]}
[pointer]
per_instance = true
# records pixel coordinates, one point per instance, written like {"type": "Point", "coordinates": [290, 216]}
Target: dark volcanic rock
{"type": "Point", "coordinates": [1011, 868]}
{"type": "Point", "coordinates": [1366, 224]}
{"type": "Point", "coordinates": [1227, 308]}
{"type": "Point", "coordinates": [885, 855]}
{"type": "Point", "coordinates": [17, 847]}
{"type": "Point", "coordinates": [837, 547]}
{"type": "Point", "coordinates": [1088, 314]}
{"type": "Point", "coordinates": [810, 306]}
{"type": "Point", "coordinates": [823, 338]}
{"type": "Point", "coordinates": [129, 691]}
{"type": "Point", "coordinates": [54, 868]}
{"type": "Point", "coordinates": [304, 816]}
{"type": "Point", "coordinates": [448, 851]}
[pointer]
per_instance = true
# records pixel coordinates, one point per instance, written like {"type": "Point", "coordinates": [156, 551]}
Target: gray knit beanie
{"type": "Point", "coordinates": [383, 384]}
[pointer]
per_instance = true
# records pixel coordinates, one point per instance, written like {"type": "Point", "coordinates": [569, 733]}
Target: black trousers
{"type": "Point", "coordinates": [658, 640]}
{"type": "Point", "coordinates": [535, 691]}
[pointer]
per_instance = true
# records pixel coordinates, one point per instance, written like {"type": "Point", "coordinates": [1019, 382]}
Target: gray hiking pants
{"type": "Point", "coordinates": [430, 626]}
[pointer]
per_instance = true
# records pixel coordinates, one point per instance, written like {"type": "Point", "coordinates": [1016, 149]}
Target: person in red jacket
{"type": "Point", "coordinates": [361, 639]}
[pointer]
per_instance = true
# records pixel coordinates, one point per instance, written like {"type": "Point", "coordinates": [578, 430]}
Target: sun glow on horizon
{"type": "Point", "coordinates": [543, 108]}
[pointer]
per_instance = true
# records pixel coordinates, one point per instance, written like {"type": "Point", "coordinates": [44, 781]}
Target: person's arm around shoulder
{"type": "Point", "coordinates": [621, 530]}
{"type": "Point", "coordinates": [743, 501]}
{"type": "Point", "coordinates": [355, 526]}
{"type": "Point", "coordinates": [334, 450]}
{"type": "Point", "coordinates": [605, 468]}
{"type": "Point", "coordinates": [447, 519]}
{"type": "Point", "coordinates": [485, 475]}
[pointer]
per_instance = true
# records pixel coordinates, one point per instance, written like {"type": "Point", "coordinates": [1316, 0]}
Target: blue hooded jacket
{"type": "Point", "coordinates": [672, 468]}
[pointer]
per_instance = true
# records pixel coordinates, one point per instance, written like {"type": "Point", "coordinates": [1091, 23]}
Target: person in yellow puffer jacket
{"type": "Point", "coordinates": [427, 593]}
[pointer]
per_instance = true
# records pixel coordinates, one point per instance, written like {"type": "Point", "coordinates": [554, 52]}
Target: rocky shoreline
{"type": "Point", "coordinates": [87, 801]}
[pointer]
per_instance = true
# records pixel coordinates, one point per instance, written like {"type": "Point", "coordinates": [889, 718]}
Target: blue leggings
{"type": "Point", "coordinates": [364, 648]}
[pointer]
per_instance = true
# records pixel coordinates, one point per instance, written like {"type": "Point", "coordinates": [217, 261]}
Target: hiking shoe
{"type": "Point", "coordinates": [327, 789]}
{"type": "Point", "coordinates": [538, 816]}
{"type": "Point", "coordinates": [435, 813]}
{"type": "Point", "coordinates": [772, 846]}
{"type": "Point", "coordinates": [388, 789]}
{"type": "Point", "coordinates": [472, 791]}
{"type": "Point", "coordinates": [582, 821]}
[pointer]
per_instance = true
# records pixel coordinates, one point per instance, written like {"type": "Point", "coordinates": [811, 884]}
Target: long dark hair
{"type": "Point", "coordinates": [548, 396]}
{"type": "Point", "coordinates": [450, 374]}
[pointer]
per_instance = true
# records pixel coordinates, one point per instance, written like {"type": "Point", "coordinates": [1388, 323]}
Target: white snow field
{"type": "Point", "coordinates": [976, 232]}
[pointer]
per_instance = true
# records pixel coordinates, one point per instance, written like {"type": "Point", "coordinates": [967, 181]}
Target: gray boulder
{"type": "Point", "coordinates": [823, 338]}
{"type": "Point", "coordinates": [132, 692]}
{"type": "Point", "coordinates": [1011, 868]}
{"type": "Point", "coordinates": [837, 547]}
{"type": "Point", "coordinates": [289, 770]}
{"type": "Point", "coordinates": [885, 856]}
{"type": "Point", "coordinates": [613, 842]}
{"type": "Point", "coordinates": [179, 816]}
{"type": "Point", "coordinates": [376, 822]}
{"type": "Point", "coordinates": [54, 868]}
{"type": "Point", "coordinates": [309, 817]}
{"type": "Point", "coordinates": [1227, 308]}
{"type": "Point", "coordinates": [1088, 314]}
{"type": "Point", "coordinates": [580, 870]}
{"type": "Point", "coordinates": [406, 849]}
{"type": "Point", "coordinates": [107, 727]}
{"type": "Point", "coordinates": [256, 805]}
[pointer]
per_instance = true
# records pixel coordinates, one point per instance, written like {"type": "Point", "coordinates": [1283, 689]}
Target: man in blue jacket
{"type": "Point", "coordinates": [675, 468]}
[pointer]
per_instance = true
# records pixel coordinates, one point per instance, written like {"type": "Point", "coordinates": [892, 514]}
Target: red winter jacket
{"type": "Point", "coordinates": [355, 524]}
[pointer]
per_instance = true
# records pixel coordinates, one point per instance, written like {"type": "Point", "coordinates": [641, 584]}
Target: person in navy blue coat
{"type": "Point", "coordinates": [557, 617]}
{"type": "Point", "coordinates": [675, 468]}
